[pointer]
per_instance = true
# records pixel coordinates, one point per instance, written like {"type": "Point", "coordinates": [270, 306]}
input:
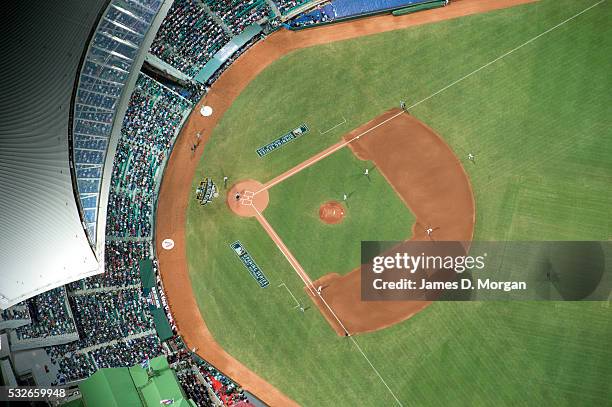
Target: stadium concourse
{"type": "Point", "coordinates": [112, 319]}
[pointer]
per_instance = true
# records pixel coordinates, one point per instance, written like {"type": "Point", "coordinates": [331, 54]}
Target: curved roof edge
{"type": "Point", "coordinates": [118, 124]}
{"type": "Point", "coordinates": [43, 237]}
{"type": "Point", "coordinates": [106, 78]}
{"type": "Point", "coordinates": [42, 241]}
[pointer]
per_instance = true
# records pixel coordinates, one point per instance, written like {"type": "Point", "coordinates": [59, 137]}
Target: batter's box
{"type": "Point", "coordinates": [247, 198]}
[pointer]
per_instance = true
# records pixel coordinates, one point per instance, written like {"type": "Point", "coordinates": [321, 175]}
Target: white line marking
{"type": "Point", "coordinates": [330, 129]}
{"type": "Point", "coordinates": [290, 293]}
{"type": "Point", "coordinates": [318, 294]}
{"type": "Point", "coordinates": [295, 171]}
{"type": "Point", "coordinates": [327, 154]}
{"type": "Point", "coordinates": [375, 371]}
{"type": "Point", "coordinates": [304, 277]}
{"type": "Point", "coordinates": [505, 54]}
{"type": "Point", "coordinates": [308, 284]}
{"type": "Point", "coordinates": [378, 125]}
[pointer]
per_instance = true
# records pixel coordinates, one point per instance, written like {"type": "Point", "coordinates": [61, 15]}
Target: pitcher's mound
{"type": "Point", "coordinates": [331, 212]}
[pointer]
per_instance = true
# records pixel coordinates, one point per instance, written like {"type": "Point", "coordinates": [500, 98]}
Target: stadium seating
{"type": "Point", "coordinates": [286, 6]}
{"type": "Point", "coordinates": [72, 365]}
{"type": "Point", "coordinates": [188, 37]}
{"type": "Point", "coordinates": [129, 215]}
{"type": "Point", "coordinates": [195, 389]}
{"type": "Point", "coordinates": [127, 352]}
{"type": "Point", "coordinates": [343, 9]}
{"type": "Point", "coordinates": [200, 375]}
{"type": "Point", "coordinates": [121, 259]}
{"type": "Point", "coordinates": [152, 120]}
{"type": "Point", "coordinates": [239, 14]}
{"type": "Point", "coordinates": [321, 14]}
{"type": "Point", "coordinates": [17, 313]}
{"type": "Point", "coordinates": [111, 313]}
{"type": "Point", "coordinates": [51, 321]}
{"type": "Point", "coordinates": [105, 71]}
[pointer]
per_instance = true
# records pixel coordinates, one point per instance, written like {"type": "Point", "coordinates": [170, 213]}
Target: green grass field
{"type": "Point", "coordinates": [374, 212]}
{"type": "Point", "coordinates": [539, 123]}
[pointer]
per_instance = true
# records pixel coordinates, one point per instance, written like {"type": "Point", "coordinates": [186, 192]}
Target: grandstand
{"type": "Point", "coordinates": [188, 37]}
{"type": "Point", "coordinates": [239, 14]}
{"type": "Point", "coordinates": [338, 10]}
{"type": "Point", "coordinates": [51, 322]}
{"type": "Point", "coordinates": [106, 70]}
{"type": "Point", "coordinates": [107, 320]}
{"type": "Point", "coordinates": [15, 317]}
{"type": "Point", "coordinates": [285, 6]}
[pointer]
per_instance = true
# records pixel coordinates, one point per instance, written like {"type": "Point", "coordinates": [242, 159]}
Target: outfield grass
{"type": "Point", "coordinates": [538, 122]}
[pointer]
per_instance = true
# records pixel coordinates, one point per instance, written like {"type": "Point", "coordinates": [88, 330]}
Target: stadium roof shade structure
{"type": "Point", "coordinates": [134, 386]}
{"type": "Point", "coordinates": [65, 66]}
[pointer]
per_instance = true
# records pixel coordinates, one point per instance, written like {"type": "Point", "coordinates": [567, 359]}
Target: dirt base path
{"type": "Point", "coordinates": [427, 176]}
{"type": "Point", "coordinates": [175, 190]}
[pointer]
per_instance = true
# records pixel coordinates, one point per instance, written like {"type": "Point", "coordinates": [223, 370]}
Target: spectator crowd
{"type": "Point", "coordinates": [98, 320]}
{"type": "Point", "coordinates": [72, 364]}
{"type": "Point", "coordinates": [122, 261]}
{"type": "Point", "coordinates": [127, 352]}
{"type": "Point", "coordinates": [151, 122]}
{"type": "Point", "coordinates": [15, 313]}
{"type": "Point", "coordinates": [188, 37]}
{"type": "Point", "coordinates": [284, 6]}
{"type": "Point", "coordinates": [322, 13]}
{"type": "Point", "coordinates": [191, 34]}
{"type": "Point", "coordinates": [239, 14]}
{"type": "Point", "coordinates": [111, 314]}
{"type": "Point", "coordinates": [202, 376]}
{"type": "Point", "coordinates": [50, 316]}
{"type": "Point", "coordinates": [194, 388]}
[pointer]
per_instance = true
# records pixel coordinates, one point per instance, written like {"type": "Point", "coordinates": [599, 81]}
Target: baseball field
{"type": "Point", "coordinates": [526, 91]}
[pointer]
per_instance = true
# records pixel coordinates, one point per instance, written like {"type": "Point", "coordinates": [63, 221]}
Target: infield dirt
{"type": "Point", "coordinates": [331, 212]}
{"type": "Point", "coordinates": [429, 178]}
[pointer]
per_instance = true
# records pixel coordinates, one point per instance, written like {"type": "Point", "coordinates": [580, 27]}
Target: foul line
{"type": "Point", "coordinates": [307, 164]}
{"type": "Point", "coordinates": [316, 293]}
{"type": "Point", "coordinates": [505, 54]}
{"type": "Point", "coordinates": [345, 143]}
{"type": "Point", "coordinates": [296, 265]}
{"type": "Point", "coordinates": [305, 279]}
{"type": "Point", "coordinates": [375, 371]}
